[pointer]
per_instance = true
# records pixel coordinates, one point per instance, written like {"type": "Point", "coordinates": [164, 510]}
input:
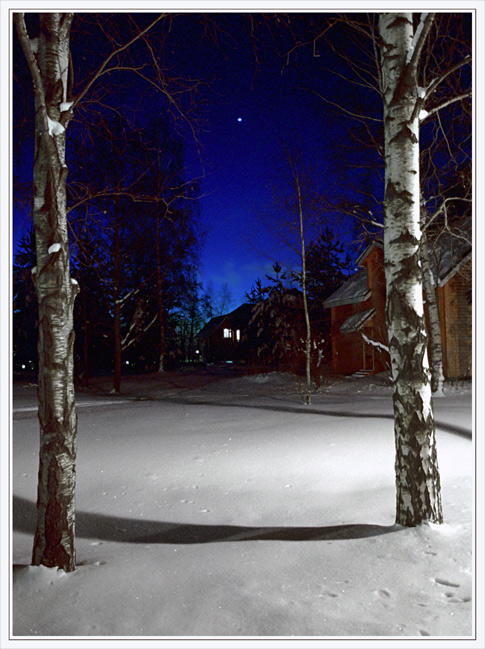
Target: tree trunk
{"type": "Point", "coordinates": [117, 305]}
{"type": "Point", "coordinates": [161, 307]}
{"type": "Point", "coordinates": [435, 346]}
{"type": "Point", "coordinates": [54, 535]}
{"type": "Point", "coordinates": [418, 496]}
{"type": "Point", "coordinates": [308, 338]}
{"type": "Point", "coordinates": [86, 337]}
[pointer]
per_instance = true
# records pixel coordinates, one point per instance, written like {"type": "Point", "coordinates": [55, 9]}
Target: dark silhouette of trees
{"type": "Point", "coordinates": [25, 315]}
{"type": "Point", "coordinates": [328, 266]}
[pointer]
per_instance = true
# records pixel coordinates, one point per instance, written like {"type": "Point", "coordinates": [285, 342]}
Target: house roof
{"type": "Point", "coordinates": [355, 289]}
{"type": "Point", "coordinates": [450, 254]}
{"type": "Point", "coordinates": [374, 244]}
{"type": "Point", "coordinates": [356, 321]}
{"type": "Point", "coordinates": [238, 318]}
{"type": "Point", "coordinates": [211, 326]}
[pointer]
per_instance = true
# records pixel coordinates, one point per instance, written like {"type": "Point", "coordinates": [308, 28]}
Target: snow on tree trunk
{"type": "Point", "coordinates": [418, 496]}
{"type": "Point", "coordinates": [54, 535]}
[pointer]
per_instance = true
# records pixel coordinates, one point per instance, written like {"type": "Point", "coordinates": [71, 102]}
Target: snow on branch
{"type": "Point", "coordinates": [55, 128]}
{"type": "Point", "coordinates": [419, 38]}
{"type": "Point", "coordinates": [126, 342]}
{"type": "Point", "coordinates": [374, 343]}
{"type": "Point", "coordinates": [416, 37]}
{"type": "Point", "coordinates": [64, 106]}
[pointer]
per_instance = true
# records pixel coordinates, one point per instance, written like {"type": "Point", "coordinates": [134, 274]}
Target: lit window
{"type": "Point", "coordinates": [238, 335]}
{"type": "Point", "coordinates": [227, 333]}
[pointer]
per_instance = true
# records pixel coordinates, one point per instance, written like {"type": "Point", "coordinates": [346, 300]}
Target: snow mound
{"type": "Point", "coordinates": [260, 378]}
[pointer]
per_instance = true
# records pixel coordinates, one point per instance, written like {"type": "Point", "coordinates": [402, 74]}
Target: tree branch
{"type": "Point", "coordinates": [114, 53]}
{"type": "Point", "coordinates": [446, 103]}
{"type": "Point", "coordinates": [436, 82]}
{"type": "Point", "coordinates": [419, 39]}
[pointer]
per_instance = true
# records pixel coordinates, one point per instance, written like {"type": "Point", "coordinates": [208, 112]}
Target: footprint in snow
{"type": "Point", "coordinates": [328, 594]}
{"type": "Point", "coordinates": [445, 582]}
{"type": "Point", "coordinates": [383, 593]}
{"type": "Point", "coordinates": [451, 596]}
{"type": "Point", "coordinates": [457, 600]}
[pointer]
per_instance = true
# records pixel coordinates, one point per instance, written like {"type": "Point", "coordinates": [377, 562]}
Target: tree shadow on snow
{"type": "Point", "coordinates": [302, 408]}
{"type": "Point", "coordinates": [127, 530]}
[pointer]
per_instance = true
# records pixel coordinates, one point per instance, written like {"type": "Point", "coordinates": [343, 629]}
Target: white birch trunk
{"type": "Point", "coordinates": [418, 496]}
{"type": "Point", "coordinates": [308, 338]}
{"type": "Point", "coordinates": [54, 536]}
{"type": "Point", "coordinates": [435, 342]}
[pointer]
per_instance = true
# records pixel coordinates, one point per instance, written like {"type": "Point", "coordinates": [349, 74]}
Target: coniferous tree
{"type": "Point", "coordinates": [328, 266]}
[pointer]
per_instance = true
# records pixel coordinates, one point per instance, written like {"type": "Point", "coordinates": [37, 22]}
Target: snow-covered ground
{"type": "Point", "coordinates": [226, 508]}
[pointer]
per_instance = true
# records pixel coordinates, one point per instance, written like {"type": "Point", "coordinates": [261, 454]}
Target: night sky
{"type": "Point", "coordinates": [257, 102]}
{"type": "Point", "coordinates": [242, 152]}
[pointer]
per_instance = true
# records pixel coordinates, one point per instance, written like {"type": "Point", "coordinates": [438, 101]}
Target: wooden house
{"type": "Point", "coordinates": [221, 339]}
{"type": "Point", "coordinates": [452, 260]}
{"type": "Point", "coordinates": [358, 325]}
{"type": "Point", "coordinates": [358, 316]}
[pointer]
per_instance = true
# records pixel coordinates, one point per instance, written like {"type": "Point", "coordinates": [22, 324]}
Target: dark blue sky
{"type": "Point", "coordinates": [276, 106]}
{"type": "Point", "coordinates": [241, 158]}
{"type": "Point", "coordinates": [275, 101]}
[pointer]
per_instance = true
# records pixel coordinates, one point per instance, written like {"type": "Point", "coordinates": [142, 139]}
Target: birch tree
{"type": "Point", "coordinates": [417, 79]}
{"type": "Point", "coordinates": [49, 64]}
{"type": "Point", "coordinates": [48, 61]}
{"type": "Point", "coordinates": [418, 496]}
{"type": "Point", "coordinates": [294, 216]}
{"type": "Point", "coordinates": [445, 131]}
{"type": "Point", "coordinates": [303, 276]}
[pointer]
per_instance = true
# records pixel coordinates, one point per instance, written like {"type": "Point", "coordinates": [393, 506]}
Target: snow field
{"type": "Point", "coordinates": [198, 519]}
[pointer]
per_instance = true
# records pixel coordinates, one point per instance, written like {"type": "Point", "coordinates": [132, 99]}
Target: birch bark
{"type": "Point", "coordinates": [418, 496]}
{"type": "Point", "coordinates": [435, 342]}
{"type": "Point", "coordinates": [49, 64]}
{"type": "Point", "coordinates": [308, 338]}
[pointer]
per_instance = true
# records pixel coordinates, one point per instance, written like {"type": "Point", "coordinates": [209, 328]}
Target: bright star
{"type": "Point", "coordinates": [239, 119]}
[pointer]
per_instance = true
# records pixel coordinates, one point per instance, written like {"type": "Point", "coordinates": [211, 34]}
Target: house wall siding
{"type": "Point", "coordinates": [349, 354]}
{"type": "Point", "coordinates": [454, 303]}
{"type": "Point", "coordinates": [349, 351]}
